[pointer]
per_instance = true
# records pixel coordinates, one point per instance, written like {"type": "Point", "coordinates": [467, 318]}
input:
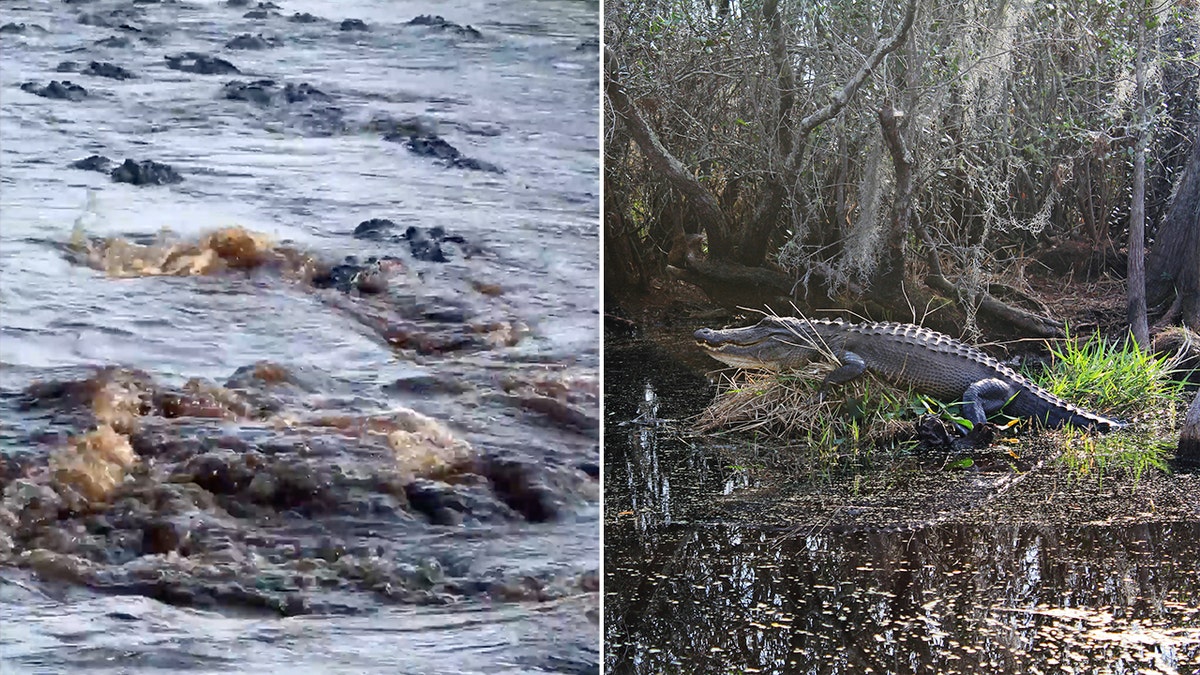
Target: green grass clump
{"type": "Point", "coordinates": [1118, 379]}
{"type": "Point", "coordinates": [1122, 381]}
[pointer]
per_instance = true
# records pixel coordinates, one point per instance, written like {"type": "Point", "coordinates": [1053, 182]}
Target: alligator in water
{"type": "Point", "coordinates": [905, 355]}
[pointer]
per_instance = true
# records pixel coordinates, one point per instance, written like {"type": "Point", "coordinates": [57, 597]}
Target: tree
{"type": "Point", "coordinates": [1173, 266]}
{"type": "Point", "coordinates": [749, 244]}
{"type": "Point", "coordinates": [1189, 437]}
{"type": "Point", "coordinates": [1136, 268]}
{"type": "Point", "coordinates": [744, 147]}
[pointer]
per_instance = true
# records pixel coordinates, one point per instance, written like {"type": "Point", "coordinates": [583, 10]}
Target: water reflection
{"type": "Point", "coordinates": [947, 599]}
{"type": "Point", "coordinates": [691, 589]}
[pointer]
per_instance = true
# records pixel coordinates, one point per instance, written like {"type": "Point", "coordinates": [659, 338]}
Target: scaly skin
{"type": "Point", "coordinates": [905, 355]}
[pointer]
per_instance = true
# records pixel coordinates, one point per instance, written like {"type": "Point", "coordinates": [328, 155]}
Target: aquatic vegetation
{"type": "Point", "coordinates": [1102, 456]}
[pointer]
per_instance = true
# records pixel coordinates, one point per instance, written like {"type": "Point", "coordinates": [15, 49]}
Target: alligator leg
{"type": "Point", "coordinates": [852, 367]}
{"type": "Point", "coordinates": [985, 397]}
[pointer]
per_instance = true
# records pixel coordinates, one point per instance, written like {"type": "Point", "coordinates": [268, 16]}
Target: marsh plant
{"type": "Point", "coordinates": [1133, 385]}
{"type": "Point", "coordinates": [816, 434]}
{"type": "Point", "coordinates": [1115, 377]}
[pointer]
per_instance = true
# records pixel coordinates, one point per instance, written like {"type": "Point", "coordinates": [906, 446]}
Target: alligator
{"type": "Point", "coordinates": [904, 355]}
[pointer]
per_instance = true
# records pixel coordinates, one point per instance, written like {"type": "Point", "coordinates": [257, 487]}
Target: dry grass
{"type": "Point", "coordinates": [788, 406]}
{"type": "Point", "coordinates": [793, 428]}
{"type": "Point", "coordinates": [775, 403]}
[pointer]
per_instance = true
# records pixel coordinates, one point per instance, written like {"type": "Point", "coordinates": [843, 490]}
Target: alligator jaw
{"type": "Point", "coordinates": [717, 340]}
{"type": "Point", "coordinates": [736, 360]}
{"type": "Point", "coordinates": [754, 347]}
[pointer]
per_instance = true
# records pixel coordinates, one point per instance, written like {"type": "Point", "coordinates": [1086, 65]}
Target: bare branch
{"type": "Point", "coordinates": [702, 199]}
{"type": "Point", "coordinates": [847, 92]}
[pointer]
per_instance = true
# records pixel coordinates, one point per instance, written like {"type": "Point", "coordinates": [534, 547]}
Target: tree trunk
{"type": "Point", "coordinates": [890, 276]}
{"type": "Point", "coordinates": [888, 280]}
{"type": "Point", "coordinates": [757, 236]}
{"type": "Point", "coordinates": [1189, 437]}
{"type": "Point", "coordinates": [1136, 267]}
{"type": "Point", "coordinates": [1173, 266]}
{"type": "Point", "coordinates": [623, 263]}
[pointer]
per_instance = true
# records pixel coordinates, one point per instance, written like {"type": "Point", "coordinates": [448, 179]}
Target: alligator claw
{"type": "Point", "coordinates": [981, 436]}
{"type": "Point", "coordinates": [935, 433]}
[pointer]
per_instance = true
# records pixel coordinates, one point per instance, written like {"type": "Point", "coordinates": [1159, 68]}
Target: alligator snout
{"type": "Point", "coordinates": [705, 335]}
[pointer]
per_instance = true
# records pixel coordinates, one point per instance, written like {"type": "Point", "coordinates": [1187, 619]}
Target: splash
{"type": "Point", "coordinates": [95, 464]}
{"type": "Point", "coordinates": [422, 445]}
{"type": "Point", "coordinates": [568, 399]}
{"type": "Point", "coordinates": [217, 252]}
{"type": "Point", "coordinates": [118, 399]}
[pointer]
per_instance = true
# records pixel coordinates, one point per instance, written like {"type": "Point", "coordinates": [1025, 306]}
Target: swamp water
{"type": "Point", "coordinates": [302, 444]}
{"type": "Point", "coordinates": [709, 569]}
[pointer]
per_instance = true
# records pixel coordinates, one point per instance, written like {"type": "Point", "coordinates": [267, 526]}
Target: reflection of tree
{"type": "Point", "coordinates": [946, 599]}
{"type": "Point", "coordinates": [649, 478]}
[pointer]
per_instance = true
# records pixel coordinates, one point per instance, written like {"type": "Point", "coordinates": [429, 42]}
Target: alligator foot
{"type": "Point", "coordinates": [935, 433]}
{"type": "Point", "coordinates": [981, 436]}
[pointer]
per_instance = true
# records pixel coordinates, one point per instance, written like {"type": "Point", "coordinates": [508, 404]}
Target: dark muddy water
{"type": "Point", "coordinates": [694, 585]}
{"type": "Point", "coordinates": [411, 479]}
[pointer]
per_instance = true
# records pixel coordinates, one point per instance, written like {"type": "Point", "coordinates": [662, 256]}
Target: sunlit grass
{"type": "Point", "coordinates": [1092, 456]}
{"type": "Point", "coordinates": [1122, 381]}
{"type": "Point", "coordinates": [1118, 379]}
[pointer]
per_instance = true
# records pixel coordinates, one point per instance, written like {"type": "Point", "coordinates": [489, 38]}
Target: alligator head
{"type": "Point", "coordinates": [772, 344]}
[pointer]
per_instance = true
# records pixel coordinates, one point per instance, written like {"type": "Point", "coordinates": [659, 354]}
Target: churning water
{"type": "Point", "coordinates": [286, 494]}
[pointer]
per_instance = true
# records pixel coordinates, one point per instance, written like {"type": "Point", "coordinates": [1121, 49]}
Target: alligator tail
{"type": "Point", "coordinates": [1058, 416]}
{"type": "Point", "coordinates": [1051, 411]}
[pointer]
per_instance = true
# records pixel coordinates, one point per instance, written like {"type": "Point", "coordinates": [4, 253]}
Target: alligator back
{"type": "Point", "coordinates": [937, 365]}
